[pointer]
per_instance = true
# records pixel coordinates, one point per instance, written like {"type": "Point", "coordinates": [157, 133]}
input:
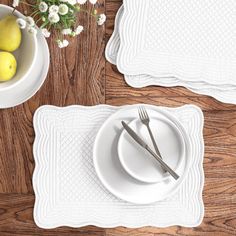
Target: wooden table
{"type": "Point", "coordinates": [81, 75]}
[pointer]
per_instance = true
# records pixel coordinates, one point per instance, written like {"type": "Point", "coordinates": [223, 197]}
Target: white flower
{"type": "Point", "coordinates": [79, 29]}
{"type": "Point", "coordinates": [66, 31]}
{"type": "Point", "coordinates": [53, 18]}
{"type": "Point", "coordinates": [101, 19]}
{"type": "Point", "coordinates": [15, 3]}
{"type": "Point", "coordinates": [43, 7]}
{"type": "Point", "coordinates": [45, 33]}
{"type": "Point", "coordinates": [62, 44]}
{"type": "Point", "coordinates": [30, 21]}
{"type": "Point", "coordinates": [72, 2]}
{"type": "Point", "coordinates": [63, 9]}
{"type": "Point", "coordinates": [21, 23]}
{"type": "Point", "coordinates": [31, 30]}
{"type": "Point", "coordinates": [81, 1]}
{"type": "Point", "coordinates": [93, 1]}
{"type": "Point", "coordinates": [53, 9]}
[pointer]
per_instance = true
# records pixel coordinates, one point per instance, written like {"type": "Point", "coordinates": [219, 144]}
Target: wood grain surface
{"type": "Point", "coordinates": [81, 75]}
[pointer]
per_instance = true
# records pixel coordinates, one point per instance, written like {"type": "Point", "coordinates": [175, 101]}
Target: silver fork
{"type": "Point", "coordinates": [143, 115]}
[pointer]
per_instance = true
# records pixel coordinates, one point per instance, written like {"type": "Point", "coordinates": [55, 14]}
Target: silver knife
{"type": "Point", "coordinates": [145, 146]}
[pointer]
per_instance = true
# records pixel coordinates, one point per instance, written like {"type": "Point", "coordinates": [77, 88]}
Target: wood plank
{"type": "Point", "coordinates": [16, 211]}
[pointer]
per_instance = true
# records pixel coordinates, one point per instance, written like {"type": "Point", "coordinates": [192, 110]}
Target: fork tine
{"type": "Point", "coordinates": [140, 113]}
{"type": "Point", "coordinates": [145, 113]}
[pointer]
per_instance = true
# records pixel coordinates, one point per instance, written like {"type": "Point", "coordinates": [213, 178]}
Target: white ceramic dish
{"type": "Point", "coordinates": [112, 174]}
{"type": "Point", "coordinates": [26, 55]}
{"type": "Point", "coordinates": [32, 83]}
{"type": "Point", "coordinates": [224, 93]}
{"type": "Point", "coordinates": [140, 164]}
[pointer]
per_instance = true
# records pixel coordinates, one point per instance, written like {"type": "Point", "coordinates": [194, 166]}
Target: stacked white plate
{"type": "Point", "coordinates": [177, 43]}
{"type": "Point", "coordinates": [129, 172]}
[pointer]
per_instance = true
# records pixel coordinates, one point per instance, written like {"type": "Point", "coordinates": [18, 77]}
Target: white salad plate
{"type": "Point", "coordinates": [26, 89]}
{"type": "Point", "coordinates": [140, 164]}
{"type": "Point", "coordinates": [113, 175]}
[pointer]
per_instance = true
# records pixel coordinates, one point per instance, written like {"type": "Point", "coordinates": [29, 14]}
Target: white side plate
{"type": "Point", "coordinates": [139, 163]}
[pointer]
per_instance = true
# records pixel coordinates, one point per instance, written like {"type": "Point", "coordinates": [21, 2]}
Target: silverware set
{"type": "Point", "coordinates": [144, 117]}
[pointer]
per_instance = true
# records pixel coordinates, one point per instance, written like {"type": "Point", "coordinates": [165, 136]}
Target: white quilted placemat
{"type": "Point", "coordinates": [68, 191]}
{"type": "Point", "coordinates": [224, 93]}
{"type": "Point", "coordinates": [189, 39]}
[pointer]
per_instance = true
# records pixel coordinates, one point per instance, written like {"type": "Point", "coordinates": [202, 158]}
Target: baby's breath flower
{"type": "Point", "coordinates": [62, 44]}
{"type": "Point", "coordinates": [43, 18]}
{"type": "Point", "coordinates": [81, 1]}
{"type": "Point", "coordinates": [30, 21]}
{"type": "Point", "coordinates": [45, 33]}
{"type": "Point", "coordinates": [63, 9]}
{"type": "Point", "coordinates": [21, 22]}
{"type": "Point", "coordinates": [53, 18]}
{"type": "Point", "coordinates": [79, 29]}
{"type": "Point", "coordinates": [53, 9]}
{"type": "Point", "coordinates": [101, 19]}
{"type": "Point", "coordinates": [93, 1]}
{"type": "Point", "coordinates": [15, 3]}
{"type": "Point", "coordinates": [32, 30]}
{"type": "Point", "coordinates": [43, 7]}
{"type": "Point", "coordinates": [66, 31]}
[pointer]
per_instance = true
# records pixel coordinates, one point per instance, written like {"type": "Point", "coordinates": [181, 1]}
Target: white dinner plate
{"type": "Point", "coordinates": [138, 162]}
{"type": "Point", "coordinates": [25, 90]}
{"type": "Point", "coordinates": [112, 174]}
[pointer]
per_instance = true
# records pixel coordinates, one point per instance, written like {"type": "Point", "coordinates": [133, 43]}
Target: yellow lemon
{"type": "Point", "coordinates": [10, 34]}
{"type": "Point", "coordinates": [8, 66]}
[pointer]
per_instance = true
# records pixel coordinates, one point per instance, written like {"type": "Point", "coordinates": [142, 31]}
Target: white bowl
{"type": "Point", "coordinates": [25, 55]}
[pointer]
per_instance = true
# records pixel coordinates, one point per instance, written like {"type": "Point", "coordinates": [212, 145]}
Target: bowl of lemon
{"type": "Point", "coordinates": [18, 49]}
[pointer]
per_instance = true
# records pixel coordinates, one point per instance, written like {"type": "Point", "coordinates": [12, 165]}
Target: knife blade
{"type": "Point", "coordinates": [143, 144]}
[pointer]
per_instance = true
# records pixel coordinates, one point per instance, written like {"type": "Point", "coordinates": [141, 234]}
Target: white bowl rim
{"type": "Point", "coordinates": [34, 57]}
